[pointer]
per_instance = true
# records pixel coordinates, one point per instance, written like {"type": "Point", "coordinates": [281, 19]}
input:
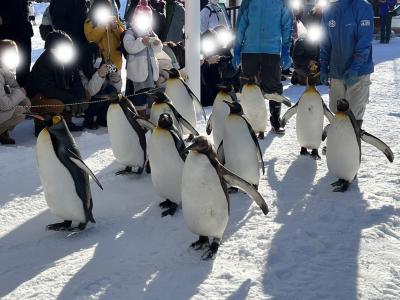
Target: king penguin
{"type": "Point", "coordinates": [239, 150]}
{"type": "Point", "coordinates": [183, 98]}
{"type": "Point", "coordinates": [254, 106]}
{"type": "Point", "coordinates": [219, 113]}
{"type": "Point", "coordinates": [167, 156]}
{"type": "Point", "coordinates": [64, 175]}
{"type": "Point", "coordinates": [162, 104]}
{"type": "Point", "coordinates": [310, 111]}
{"type": "Point", "coordinates": [127, 132]}
{"type": "Point", "coordinates": [205, 200]}
{"type": "Point", "coordinates": [343, 146]}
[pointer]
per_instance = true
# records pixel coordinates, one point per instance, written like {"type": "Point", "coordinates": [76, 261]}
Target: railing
{"type": "Point", "coordinates": [232, 14]}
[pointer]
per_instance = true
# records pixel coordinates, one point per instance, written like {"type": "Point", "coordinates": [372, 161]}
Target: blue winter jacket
{"type": "Point", "coordinates": [264, 26]}
{"type": "Point", "coordinates": [385, 6]}
{"type": "Point", "coordinates": [347, 41]}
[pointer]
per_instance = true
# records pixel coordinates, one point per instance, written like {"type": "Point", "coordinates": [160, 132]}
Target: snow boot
{"type": "Point", "coordinates": [5, 139]}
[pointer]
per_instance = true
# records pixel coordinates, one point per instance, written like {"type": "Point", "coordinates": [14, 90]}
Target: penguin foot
{"type": "Point", "coordinates": [166, 204]}
{"type": "Point", "coordinates": [340, 186]}
{"type": "Point", "coordinates": [200, 243]}
{"type": "Point", "coordinates": [261, 135]}
{"type": "Point", "coordinates": [232, 190]}
{"type": "Point", "coordinates": [324, 150]}
{"type": "Point", "coordinates": [148, 169]}
{"type": "Point", "coordinates": [127, 170]}
{"type": "Point", "coordinates": [170, 211]}
{"type": "Point", "coordinates": [315, 155]}
{"type": "Point", "coordinates": [210, 253]}
{"type": "Point", "coordinates": [78, 228]}
{"type": "Point", "coordinates": [190, 138]}
{"type": "Point", "coordinates": [63, 226]}
{"type": "Point", "coordinates": [304, 151]}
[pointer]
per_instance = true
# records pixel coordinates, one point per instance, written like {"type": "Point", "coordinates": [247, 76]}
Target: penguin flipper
{"type": "Point", "coordinates": [146, 124]}
{"type": "Point", "coordinates": [278, 98]}
{"type": "Point", "coordinates": [194, 97]}
{"type": "Point", "coordinates": [81, 164]}
{"type": "Point", "coordinates": [374, 141]}
{"type": "Point", "coordinates": [209, 125]}
{"type": "Point", "coordinates": [288, 114]}
{"type": "Point", "coordinates": [255, 140]}
{"type": "Point", "coordinates": [328, 114]}
{"type": "Point", "coordinates": [182, 120]}
{"type": "Point", "coordinates": [325, 132]}
{"type": "Point", "coordinates": [249, 189]}
{"type": "Point", "coordinates": [221, 153]}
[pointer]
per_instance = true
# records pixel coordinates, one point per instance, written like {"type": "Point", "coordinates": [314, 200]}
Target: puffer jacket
{"type": "Point", "coordinates": [347, 41]}
{"type": "Point", "coordinates": [9, 101]}
{"type": "Point", "coordinates": [264, 26]}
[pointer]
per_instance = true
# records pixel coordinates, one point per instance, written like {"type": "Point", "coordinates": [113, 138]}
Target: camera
{"type": "Point", "coordinates": [225, 59]}
{"type": "Point", "coordinates": [111, 68]}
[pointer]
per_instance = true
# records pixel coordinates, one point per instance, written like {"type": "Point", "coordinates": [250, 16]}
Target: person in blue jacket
{"type": "Point", "coordinates": [385, 6]}
{"type": "Point", "coordinates": [346, 53]}
{"type": "Point", "coordinates": [264, 29]}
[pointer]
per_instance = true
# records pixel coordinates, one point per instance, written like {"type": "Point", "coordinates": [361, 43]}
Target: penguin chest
{"type": "Point", "coordinates": [310, 121]}
{"type": "Point", "coordinates": [342, 149]}
{"type": "Point", "coordinates": [219, 114]}
{"type": "Point", "coordinates": [125, 141]}
{"type": "Point", "coordinates": [240, 150]}
{"type": "Point", "coordinates": [158, 109]}
{"type": "Point", "coordinates": [254, 107]}
{"type": "Point", "coordinates": [204, 203]}
{"type": "Point", "coordinates": [182, 101]}
{"type": "Point", "coordinates": [166, 165]}
{"type": "Point", "coordinates": [58, 184]}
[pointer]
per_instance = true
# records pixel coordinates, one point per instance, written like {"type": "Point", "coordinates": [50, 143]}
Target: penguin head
{"type": "Point", "coordinates": [200, 144]}
{"type": "Point", "coordinates": [342, 105]}
{"type": "Point", "coordinates": [49, 120]}
{"type": "Point", "coordinates": [165, 121]}
{"type": "Point", "coordinates": [159, 97]}
{"type": "Point", "coordinates": [173, 73]}
{"type": "Point", "coordinates": [235, 107]}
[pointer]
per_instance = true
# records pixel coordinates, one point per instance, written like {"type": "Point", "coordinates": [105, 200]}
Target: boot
{"type": "Point", "coordinates": [89, 123]}
{"type": "Point", "coordinates": [71, 125]}
{"type": "Point", "coordinates": [5, 139]}
{"type": "Point", "coordinates": [275, 110]}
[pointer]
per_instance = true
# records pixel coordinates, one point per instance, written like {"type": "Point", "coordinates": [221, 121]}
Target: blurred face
{"type": "Point", "coordinates": [10, 58]}
{"type": "Point", "coordinates": [142, 23]}
{"type": "Point", "coordinates": [64, 53]}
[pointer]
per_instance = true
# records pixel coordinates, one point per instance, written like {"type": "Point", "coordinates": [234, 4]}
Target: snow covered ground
{"type": "Point", "coordinates": [314, 244]}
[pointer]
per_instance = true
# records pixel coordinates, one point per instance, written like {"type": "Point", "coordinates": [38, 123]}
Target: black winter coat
{"type": "Point", "coordinates": [16, 26]}
{"type": "Point", "coordinates": [304, 51]}
{"type": "Point", "coordinates": [53, 81]}
{"type": "Point", "coordinates": [69, 16]}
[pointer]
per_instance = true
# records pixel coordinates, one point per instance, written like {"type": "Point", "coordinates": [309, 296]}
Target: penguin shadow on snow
{"type": "Point", "coordinates": [268, 139]}
{"type": "Point", "coordinates": [242, 292]}
{"type": "Point", "coordinates": [315, 252]}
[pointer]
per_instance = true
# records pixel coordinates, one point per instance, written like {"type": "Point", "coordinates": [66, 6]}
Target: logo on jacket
{"type": "Point", "coordinates": [365, 23]}
{"type": "Point", "coordinates": [332, 23]}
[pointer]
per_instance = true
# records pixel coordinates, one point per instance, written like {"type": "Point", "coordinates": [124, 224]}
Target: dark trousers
{"type": "Point", "coordinates": [267, 68]}
{"type": "Point", "coordinates": [386, 27]}
{"type": "Point", "coordinates": [25, 51]}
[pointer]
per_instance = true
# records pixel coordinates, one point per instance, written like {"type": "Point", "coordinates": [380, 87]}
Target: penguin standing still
{"type": "Point", "coordinates": [183, 98]}
{"type": "Point", "coordinates": [166, 157]}
{"type": "Point", "coordinates": [127, 132]}
{"type": "Point", "coordinates": [310, 110]}
{"type": "Point", "coordinates": [239, 148]}
{"type": "Point", "coordinates": [219, 113]}
{"type": "Point", "coordinates": [205, 200]}
{"type": "Point", "coordinates": [162, 104]}
{"type": "Point", "coordinates": [343, 146]}
{"type": "Point", "coordinates": [254, 106]}
{"type": "Point", "coordinates": [64, 175]}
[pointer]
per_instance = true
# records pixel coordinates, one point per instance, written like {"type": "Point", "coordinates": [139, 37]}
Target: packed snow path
{"type": "Point", "coordinates": [314, 244]}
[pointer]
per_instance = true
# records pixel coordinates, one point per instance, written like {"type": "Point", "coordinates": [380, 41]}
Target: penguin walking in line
{"type": "Point", "coordinates": [205, 200]}
{"type": "Point", "coordinates": [254, 106]}
{"type": "Point", "coordinates": [167, 157]}
{"type": "Point", "coordinates": [127, 132]}
{"type": "Point", "coordinates": [183, 98]}
{"type": "Point", "coordinates": [343, 146]}
{"type": "Point", "coordinates": [162, 104]}
{"type": "Point", "coordinates": [219, 113]}
{"type": "Point", "coordinates": [239, 137]}
{"type": "Point", "coordinates": [310, 111]}
{"type": "Point", "coordinates": [64, 175]}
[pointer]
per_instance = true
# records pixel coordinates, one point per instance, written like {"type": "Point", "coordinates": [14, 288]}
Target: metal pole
{"type": "Point", "coordinates": [192, 44]}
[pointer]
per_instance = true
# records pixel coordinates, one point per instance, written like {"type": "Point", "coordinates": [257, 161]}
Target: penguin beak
{"type": "Point", "coordinates": [35, 116]}
{"type": "Point", "coordinates": [228, 103]}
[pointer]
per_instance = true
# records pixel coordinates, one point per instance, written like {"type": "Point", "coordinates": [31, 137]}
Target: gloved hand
{"type": "Point", "coordinates": [286, 60]}
{"type": "Point", "coordinates": [351, 77]}
{"type": "Point", "coordinates": [236, 57]}
{"type": "Point", "coordinates": [324, 78]}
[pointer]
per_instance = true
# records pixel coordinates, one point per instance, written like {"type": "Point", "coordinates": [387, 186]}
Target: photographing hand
{"type": "Point", "coordinates": [102, 71]}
